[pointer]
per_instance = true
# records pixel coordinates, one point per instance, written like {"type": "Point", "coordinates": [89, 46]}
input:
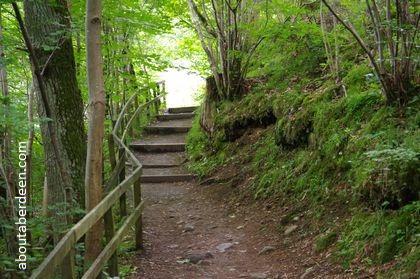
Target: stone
{"type": "Point", "coordinates": [258, 276]}
{"type": "Point", "coordinates": [224, 246]}
{"type": "Point", "coordinates": [307, 273]}
{"type": "Point", "coordinates": [198, 258]}
{"type": "Point", "coordinates": [266, 250]}
{"type": "Point", "coordinates": [290, 229]}
{"type": "Point", "coordinates": [188, 228]}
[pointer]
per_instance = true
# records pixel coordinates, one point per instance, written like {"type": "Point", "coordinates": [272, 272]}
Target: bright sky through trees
{"type": "Point", "coordinates": [182, 87]}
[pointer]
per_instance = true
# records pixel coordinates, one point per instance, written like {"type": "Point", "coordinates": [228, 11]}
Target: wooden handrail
{"type": "Point", "coordinates": [55, 258]}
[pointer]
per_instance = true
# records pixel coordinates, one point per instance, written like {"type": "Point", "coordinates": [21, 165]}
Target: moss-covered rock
{"type": "Point", "coordinates": [293, 130]}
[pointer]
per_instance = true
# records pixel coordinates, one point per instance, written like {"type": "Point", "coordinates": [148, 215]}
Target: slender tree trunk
{"type": "Point", "coordinates": [93, 179]}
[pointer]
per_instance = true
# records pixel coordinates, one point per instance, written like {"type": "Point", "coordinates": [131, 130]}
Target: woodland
{"type": "Point", "coordinates": [317, 101]}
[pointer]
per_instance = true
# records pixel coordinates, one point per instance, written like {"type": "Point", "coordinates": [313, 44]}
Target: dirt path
{"type": "Point", "coordinates": [197, 231]}
{"type": "Point", "coordinates": [187, 227]}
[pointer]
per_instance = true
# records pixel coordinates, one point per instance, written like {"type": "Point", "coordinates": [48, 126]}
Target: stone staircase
{"type": "Point", "coordinates": [161, 149]}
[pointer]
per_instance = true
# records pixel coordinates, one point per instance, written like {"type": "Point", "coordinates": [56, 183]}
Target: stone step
{"type": "Point", "coordinates": [172, 174]}
{"type": "Point", "coordinates": [161, 139]}
{"type": "Point", "coordinates": [166, 130]}
{"type": "Point", "coordinates": [161, 160]}
{"type": "Point", "coordinates": [182, 110]}
{"type": "Point", "coordinates": [186, 122]}
{"type": "Point", "coordinates": [158, 147]}
{"type": "Point", "coordinates": [169, 178]}
{"type": "Point", "coordinates": [173, 116]}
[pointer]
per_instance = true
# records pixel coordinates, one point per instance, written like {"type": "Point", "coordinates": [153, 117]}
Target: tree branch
{"type": "Point", "coordinates": [356, 35]}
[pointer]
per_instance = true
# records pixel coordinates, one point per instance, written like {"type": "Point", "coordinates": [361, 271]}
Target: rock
{"type": "Point", "coordinates": [296, 218]}
{"type": "Point", "coordinates": [173, 246]}
{"type": "Point", "coordinates": [307, 273]}
{"type": "Point", "coordinates": [290, 229]}
{"type": "Point", "coordinates": [188, 228]}
{"type": "Point", "coordinates": [266, 250]}
{"type": "Point", "coordinates": [198, 258]}
{"type": "Point", "coordinates": [224, 246]}
{"type": "Point", "coordinates": [204, 262]}
{"type": "Point", "coordinates": [239, 227]}
{"type": "Point", "coordinates": [258, 276]}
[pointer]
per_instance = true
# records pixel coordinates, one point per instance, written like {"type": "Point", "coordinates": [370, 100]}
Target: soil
{"type": "Point", "coordinates": [184, 223]}
{"type": "Point", "coordinates": [215, 230]}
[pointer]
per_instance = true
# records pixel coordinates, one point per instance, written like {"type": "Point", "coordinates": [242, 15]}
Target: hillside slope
{"type": "Point", "coordinates": [349, 162]}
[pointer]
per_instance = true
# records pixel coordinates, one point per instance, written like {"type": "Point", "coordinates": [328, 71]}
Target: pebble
{"type": "Point", "coordinates": [198, 258]}
{"type": "Point", "coordinates": [224, 246]}
{"type": "Point", "coordinates": [307, 273]}
{"type": "Point", "coordinates": [290, 229]}
{"type": "Point", "coordinates": [188, 228]}
{"type": "Point", "coordinates": [266, 250]}
{"type": "Point", "coordinates": [258, 276]}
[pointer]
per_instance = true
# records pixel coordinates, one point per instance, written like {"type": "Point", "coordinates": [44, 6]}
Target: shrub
{"type": "Point", "coordinates": [393, 178]}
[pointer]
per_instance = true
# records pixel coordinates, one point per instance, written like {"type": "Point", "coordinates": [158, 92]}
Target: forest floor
{"type": "Point", "coordinates": [213, 228]}
{"type": "Point", "coordinates": [199, 231]}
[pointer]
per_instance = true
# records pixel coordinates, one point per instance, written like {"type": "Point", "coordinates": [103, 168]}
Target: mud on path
{"type": "Point", "coordinates": [198, 231]}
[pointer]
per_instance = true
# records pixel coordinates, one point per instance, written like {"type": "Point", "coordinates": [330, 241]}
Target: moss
{"type": "Point", "coordinates": [253, 110]}
{"type": "Point", "coordinates": [393, 178]}
{"type": "Point", "coordinates": [333, 148]}
{"type": "Point", "coordinates": [293, 130]}
{"type": "Point", "coordinates": [326, 240]}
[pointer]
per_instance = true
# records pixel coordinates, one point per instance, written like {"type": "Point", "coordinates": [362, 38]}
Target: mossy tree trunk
{"type": "Point", "coordinates": [209, 107]}
{"type": "Point", "coordinates": [48, 25]}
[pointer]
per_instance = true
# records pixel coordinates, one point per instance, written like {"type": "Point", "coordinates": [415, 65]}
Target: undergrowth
{"type": "Point", "coordinates": [327, 148]}
{"type": "Point", "coordinates": [341, 150]}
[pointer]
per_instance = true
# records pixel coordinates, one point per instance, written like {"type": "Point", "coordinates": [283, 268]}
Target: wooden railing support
{"type": "Point", "coordinates": [61, 259]}
{"type": "Point", "coordinates": [123, 198]}
{"type": "Point", "coordinates": [139, 221]}
{"type": "Point", "coordinates": [109, 234]}
{"type": "Point", "coordinates": [67, 268]}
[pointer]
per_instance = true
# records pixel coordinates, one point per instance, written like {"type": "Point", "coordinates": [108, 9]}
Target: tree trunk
{"type": "Point", "coordinates": [209, 111]}
{"type": "Point", "coordinates": [93, 180]}
{"type": "Point", "coordinates": [48, 25]}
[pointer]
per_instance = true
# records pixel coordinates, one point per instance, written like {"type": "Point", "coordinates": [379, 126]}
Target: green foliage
{"type": "Point", "coordinates": [237, 115]}
{"type": "Point", "coordinates": [393, 177]}
{"type": "Point", "coordinates": [382, 236]}
{"type": "Point", "coordinates": [293, 130]}
{"type": "Point", "coordinates": [203, 157]}
{"type": "Point", "coordinates": [352, 150]}
{"type": "Point", "coordinates": [326, 240]}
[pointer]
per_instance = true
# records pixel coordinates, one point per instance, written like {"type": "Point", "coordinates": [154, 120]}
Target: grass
{"type": "Point", "coordinates": [327, 149]}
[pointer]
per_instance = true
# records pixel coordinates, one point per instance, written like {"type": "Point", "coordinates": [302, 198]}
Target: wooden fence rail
{"type": "Point", "coordinates": [116, 188]}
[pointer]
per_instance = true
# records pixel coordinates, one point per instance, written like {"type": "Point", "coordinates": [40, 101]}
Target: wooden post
{"type": "Point", "coordinates": [109, 234]}
{"type": "Point", "coordinates": [123, 198]}
{"type": "Point", "coordinates": [111, 147]}
{"type": "Point", "coordinates": [164, 93]}
{"type": "Point", "coordinates": [67, 268]}
{"type": "Point", "coordinates": [139, 222]}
